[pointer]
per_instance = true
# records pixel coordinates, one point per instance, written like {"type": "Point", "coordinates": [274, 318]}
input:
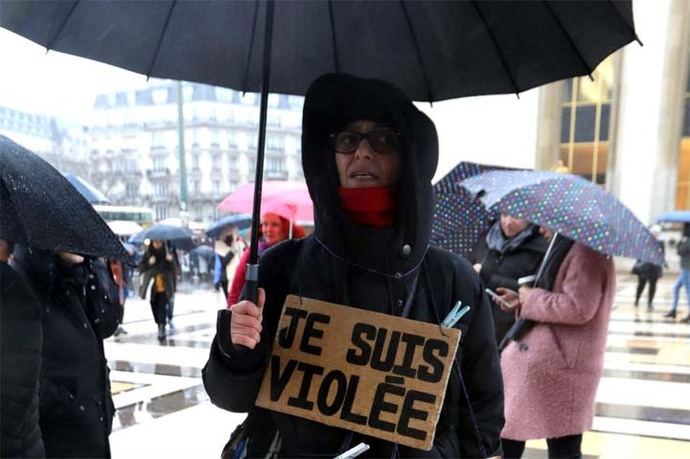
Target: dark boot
{"type": "Point", "coordinates": [670, 314]}
{"type": "Point", "coordinates": [161, 331]}
{"type": "Point", "coordinates": [687, 319]}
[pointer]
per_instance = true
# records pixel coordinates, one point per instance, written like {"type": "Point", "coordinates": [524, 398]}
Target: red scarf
{"type": "Point", "coordinates": [374, 207]}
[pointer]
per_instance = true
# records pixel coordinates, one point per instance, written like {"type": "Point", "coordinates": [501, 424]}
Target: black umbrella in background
{"type": "Point", "coordinates": [433, 50]}
{"type": "Point", "coordinates": [177, 236]}
{"type": "Point", "coordinates": [39, 208]}
{"type": "Point", "coordinates": [90, 192]}
{"type": "Point", "coordinates": [240, 221]}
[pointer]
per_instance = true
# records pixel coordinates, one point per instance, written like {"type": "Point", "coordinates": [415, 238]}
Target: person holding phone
{"type": "Point", "coordinates": [551, 373]}
{"type": "Point", "coordinates": [512, 248]}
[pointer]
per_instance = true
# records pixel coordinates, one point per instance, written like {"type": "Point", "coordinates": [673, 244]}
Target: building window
{"type": "Point", "coordinates": [161, 213]}
{"type": "Point", "coordinates": [216, 188]}
{"type": "Point", "coordinates": [161, 189]}
{"type": "Point", "coordinates": [215, 162]}
{"type": "Point", "coordinates": [196, 187]}
{"type": "Point", "coordinates": [275, 143]}
{"type": "Point", "coordinates": [158, 164]}
{"type": "Point", "coordinates": [233, 162]}
{"type": "Point", "coordinates": [132, 191]}
{"type": "Point", "coordinates": [585, 121]}
{"type": "Point", "coordinates": [275, 165]}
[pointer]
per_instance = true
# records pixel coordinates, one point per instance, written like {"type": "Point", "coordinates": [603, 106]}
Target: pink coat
{"type": "Point", "coordinates": [551, 375]}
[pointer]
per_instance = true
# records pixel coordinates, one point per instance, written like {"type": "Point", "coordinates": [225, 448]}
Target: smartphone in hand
{"type": "Point", "coordinates": [498, 299]}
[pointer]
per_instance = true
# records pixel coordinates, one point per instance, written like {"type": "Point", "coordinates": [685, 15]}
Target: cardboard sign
{"type": "Point", "coordinates": [373, 373]}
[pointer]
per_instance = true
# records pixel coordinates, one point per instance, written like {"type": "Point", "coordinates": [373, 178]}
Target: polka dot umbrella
{"type": "Point", "coordinates": [570, 205]}
{"type": "Point", "coordinates": [459, 218]}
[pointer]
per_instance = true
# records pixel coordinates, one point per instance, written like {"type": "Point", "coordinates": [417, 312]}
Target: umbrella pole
{"type": "Point", "coordinates": [252, 276]}
{"type": "Point", "coordinates": [545, 259]}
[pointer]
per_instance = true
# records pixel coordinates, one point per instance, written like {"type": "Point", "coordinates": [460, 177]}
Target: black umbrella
{"type": "Point", "coordinates": [240, 221]}
{"type": "Point", "coordinates": [433, 50]}
{"type": "Point", "coordinates": [39, 208]}
{"type": "Point", "coordinates": [180, 237]}
{"type": "Point", "coordinates": [90, 192]}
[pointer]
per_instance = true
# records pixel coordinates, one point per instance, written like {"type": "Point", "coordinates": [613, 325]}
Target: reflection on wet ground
{"type": "Point", "coordinates": [137, 413]}
{"type": "Point", "coordinates": [642, 406]}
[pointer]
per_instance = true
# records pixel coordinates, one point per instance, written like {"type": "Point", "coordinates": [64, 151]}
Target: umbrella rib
{"type": "Point", "coordinates": [418, 51]}
{"type": "Point", "coordinates": [52, 41]}
{"type": "Point", "coordinates": [569, 39]}
{"type": "Point", "coordinates": [504, 62]}
{"type": "Point", "coordinates": [334, 40]}
{"type": "Point", "coordinates": [160, 39]}
{"type": "Point", "coordinates": [251, 48]}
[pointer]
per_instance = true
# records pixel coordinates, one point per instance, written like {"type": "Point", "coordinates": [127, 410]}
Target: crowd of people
{"type": "Point", "coordinates": [533, 341]}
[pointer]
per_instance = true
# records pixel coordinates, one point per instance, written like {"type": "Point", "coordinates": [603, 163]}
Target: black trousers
{"type": "Point", "coordinates": [641, 282]}
{"type": "Point", "coordinates": [159, 306]}
{"type": "Point", "coordinates": [567, 447]}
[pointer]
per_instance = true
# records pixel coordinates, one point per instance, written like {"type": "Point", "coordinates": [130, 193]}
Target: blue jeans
{"type": "Point", "coordinates": [682, 281]}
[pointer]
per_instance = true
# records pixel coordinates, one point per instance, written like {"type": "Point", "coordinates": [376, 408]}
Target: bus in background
{"type": "Point", "coordinates": [140, 215]}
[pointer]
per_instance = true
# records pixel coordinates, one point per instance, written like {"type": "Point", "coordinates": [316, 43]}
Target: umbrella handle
{"type": "Point", "coordinates": [251, 284]}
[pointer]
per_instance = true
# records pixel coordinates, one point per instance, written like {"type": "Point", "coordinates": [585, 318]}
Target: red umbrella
{"type": "Point", "coordinates": [287, 199]}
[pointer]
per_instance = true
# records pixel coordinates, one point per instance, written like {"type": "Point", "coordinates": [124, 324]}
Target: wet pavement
{"type": "Point", "coordinates": [642, 410]}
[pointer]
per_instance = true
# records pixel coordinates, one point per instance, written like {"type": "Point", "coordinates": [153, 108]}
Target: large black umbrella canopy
{"type": "Point", "coordinates": [39, 208]}
{"type": "Point", "coordinates": [432, 50]}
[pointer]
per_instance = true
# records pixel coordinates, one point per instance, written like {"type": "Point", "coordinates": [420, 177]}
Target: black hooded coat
{"type": "Point", "coordinates": [79, 307]}
{"type": "Point", "coordinates": [392, 270]}
{"type": "Point", "coordinates": [21, 339]}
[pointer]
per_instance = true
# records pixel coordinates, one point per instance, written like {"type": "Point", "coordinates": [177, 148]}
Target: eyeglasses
{"type": "Point", "coordinates": [382, 141]}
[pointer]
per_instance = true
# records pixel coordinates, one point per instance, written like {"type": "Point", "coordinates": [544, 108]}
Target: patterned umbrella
{"type": "Point", "coordinates": [570, 205]}
{"type": "Point", "coordinates": [459, 218]}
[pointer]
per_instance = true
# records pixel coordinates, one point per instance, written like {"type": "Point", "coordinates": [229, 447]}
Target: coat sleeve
{"type": "Point", "coordinates": [232, 377]}
{"type": "Point", "coordinates": [481, 377]}
{"type": "Point", "coordinates": [583, 277]}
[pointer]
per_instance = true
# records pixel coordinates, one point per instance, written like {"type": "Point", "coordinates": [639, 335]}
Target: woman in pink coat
{"type": "Point", "coordinates": [551, 373]}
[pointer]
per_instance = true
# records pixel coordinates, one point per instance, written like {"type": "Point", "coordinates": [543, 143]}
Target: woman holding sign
{"type": "Point", "coordinates": [368, 156]}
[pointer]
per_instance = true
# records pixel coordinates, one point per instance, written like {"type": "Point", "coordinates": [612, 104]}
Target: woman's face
{"type": "Point", "coordinates": [365, 167]}
{"type": "Point", "coordinates": [272, 229]}
{"type": "Point", "coordinates": [511, 227]}
{"type": "Point", "coordinates": [157, 244]}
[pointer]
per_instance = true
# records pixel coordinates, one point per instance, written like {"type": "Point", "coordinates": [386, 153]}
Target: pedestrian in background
{"type": "Point", "coordinates": [511, 249]}
{"type": "Point", "coordinates": [274, 229]}
{"type": "Point", "coordinates": [648, 272]}
{"type": "Point", "coordinates": [683, 281]}
{"type": "Point", "coordinates": [223, 255]}
{"type": "Point", "coordinates": [157, 269]}
{"type": "Point", "coordinates": [552, 372]}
